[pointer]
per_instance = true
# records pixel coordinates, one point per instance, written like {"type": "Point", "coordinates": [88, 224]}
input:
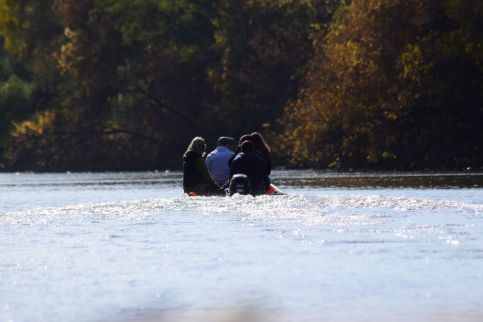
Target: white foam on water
{"type": "Point", "coordinates": [309, 209]}
{"type": "Point", "coordinates": [307, 255]}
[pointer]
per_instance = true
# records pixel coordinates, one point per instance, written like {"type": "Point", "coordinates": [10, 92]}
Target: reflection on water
{"type": "Point", "coordinates": [124, 179]}
{"type": "Point", "coordinates": [380, 180]}
{"type": "Point", "coordinates": [295, 178]}
{"type": "Point", "coordinates": [336, 247]}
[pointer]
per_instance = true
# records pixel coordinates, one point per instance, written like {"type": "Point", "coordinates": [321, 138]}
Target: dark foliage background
{"type": "Point", "coordinates": [125, 84]}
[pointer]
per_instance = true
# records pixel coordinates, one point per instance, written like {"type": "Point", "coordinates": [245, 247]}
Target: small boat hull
{"type": "Point", "coordinates": [272, 191]}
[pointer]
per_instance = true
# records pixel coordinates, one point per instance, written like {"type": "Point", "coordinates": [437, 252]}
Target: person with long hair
{"type": "Point", "coordinates": [252, 164]}
{"type": "Point", "coordinates": [262, 147]}
{"type": "Point", "coordinates": [255, 162]}
{"type": "Point", "coordinates": [196, 178]}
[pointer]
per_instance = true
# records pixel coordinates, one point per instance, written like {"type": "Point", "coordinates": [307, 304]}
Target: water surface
{"type": "Point", "coordinates": [336, 247]}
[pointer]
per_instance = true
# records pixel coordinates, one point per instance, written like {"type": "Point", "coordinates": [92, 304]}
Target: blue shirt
{"type": "Point", "coordinates": [217, 164]}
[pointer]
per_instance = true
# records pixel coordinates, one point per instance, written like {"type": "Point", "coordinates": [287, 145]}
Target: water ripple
{"type": "Point", "coordinates": [319, 209]}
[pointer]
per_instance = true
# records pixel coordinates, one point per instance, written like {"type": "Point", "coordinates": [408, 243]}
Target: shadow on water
{"type": "Point", "coordinates": [254, 314]}
{"type": "Point", "coordinates": [378, 180]}
{"type": "Point", "coordinates": [293, 178]}
{"type": "Point", "coordinates": [241, 314]}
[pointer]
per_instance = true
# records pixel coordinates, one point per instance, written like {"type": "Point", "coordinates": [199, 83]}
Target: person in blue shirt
{"type": "Point", "coordinates": [217, 160]}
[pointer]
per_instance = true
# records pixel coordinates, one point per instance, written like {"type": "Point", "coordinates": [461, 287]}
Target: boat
{"type": "Point", "coordinates": [239, 184]}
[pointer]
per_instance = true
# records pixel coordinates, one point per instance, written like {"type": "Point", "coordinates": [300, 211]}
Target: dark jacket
{"type": "Point", "coordinates": [196, 177]}
{"type": "Point", "coordinates": [267, 158]}
{"type": "Point", "coordinates": [255, 167]}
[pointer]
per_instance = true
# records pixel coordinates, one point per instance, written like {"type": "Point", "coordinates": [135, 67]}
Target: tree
{"type": "Point", "coordinates": [16, 97]}
{"type": "Point", "coordinates": [264, 48]}
{"type": "Point", "coordinates": [133, 83]}
{"type": "Point", "coordinates": [384, 90]}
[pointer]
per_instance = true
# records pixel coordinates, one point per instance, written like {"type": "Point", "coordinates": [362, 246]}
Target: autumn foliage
{"type": "Point", "coordinates": [395, 84]}
{"type": "Point", "coordinates": [125, 84]}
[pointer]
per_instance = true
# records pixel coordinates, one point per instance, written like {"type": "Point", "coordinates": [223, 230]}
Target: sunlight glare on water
{"type": "Point", "coordinates": [336, 247]}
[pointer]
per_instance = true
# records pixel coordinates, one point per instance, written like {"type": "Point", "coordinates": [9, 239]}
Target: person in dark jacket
{"type": "Point", "coordinates": [254, 166]}
{"type": "Point", "coordinates": [243, 138]}
{"type": "Point", "coordinates": [261, 147]}
{"type": "Point", "coordinates": [196, 178]}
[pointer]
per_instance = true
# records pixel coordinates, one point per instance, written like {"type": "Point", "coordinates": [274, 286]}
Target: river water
{"type": "Point", "coordinates": [337, 247]}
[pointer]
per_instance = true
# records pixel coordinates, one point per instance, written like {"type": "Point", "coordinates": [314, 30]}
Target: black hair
{"type": "Point", "coordinates": [247, 147]}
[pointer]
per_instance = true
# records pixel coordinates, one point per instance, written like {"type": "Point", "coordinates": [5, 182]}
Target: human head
{"type": "Point", "coordinates": [225, 141]}
{"type": "Point", "coordinates": [244, 138]}
{"type": "Point", "coordinates": [259, 142]}
{"type": "Point", "coordinates": [247, 147]}
{"type": "Point", "coordinates": [197, 145]}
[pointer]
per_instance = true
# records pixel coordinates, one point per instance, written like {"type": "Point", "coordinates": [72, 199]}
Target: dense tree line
{"type": "Point", "coordinates": [123, 84]}
{"type": "Point", "coordinates": [394, 84]}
